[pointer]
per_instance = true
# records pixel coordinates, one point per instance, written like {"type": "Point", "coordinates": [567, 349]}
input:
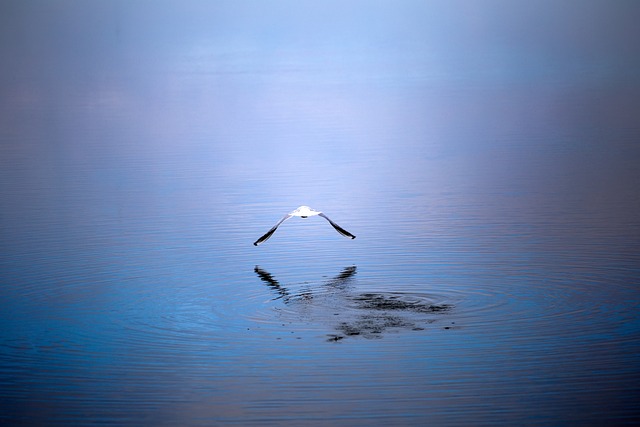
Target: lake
{"type": "Point", "coordinates": [489, 172]}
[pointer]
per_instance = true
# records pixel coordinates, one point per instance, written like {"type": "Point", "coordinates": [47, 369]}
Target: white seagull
{"type": "Point", "coordinates": [303, 212]}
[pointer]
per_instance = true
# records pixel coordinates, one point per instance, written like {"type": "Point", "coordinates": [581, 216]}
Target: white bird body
{"type": "Point", "coordinates": [303, 212]}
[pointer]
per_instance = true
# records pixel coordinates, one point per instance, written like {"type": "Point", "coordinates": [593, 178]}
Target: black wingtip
{"type": "Point", "coordinates": [266, 236]}
{"type": "Point", "coordinates": [342, 231]}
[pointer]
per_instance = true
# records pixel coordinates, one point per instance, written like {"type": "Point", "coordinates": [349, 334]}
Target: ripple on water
{"type": "Point", "coordinates": [155, 331]}
{"type": "Point", "coordinates": [342, 307]}
{"type": "Point", "coordinates": [504, 301]}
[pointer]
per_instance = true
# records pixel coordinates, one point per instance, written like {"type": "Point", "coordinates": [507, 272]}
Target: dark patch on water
{"type": "Point", "coordinates": [395, 303]}
{"type": "Point", "coordinates": [372, 326]}
{"type": "Point", "coordinates": [378, 319]}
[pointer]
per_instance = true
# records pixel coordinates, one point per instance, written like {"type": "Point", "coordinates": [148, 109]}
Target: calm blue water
{"type": "Point", "coordinates": [488, 170]}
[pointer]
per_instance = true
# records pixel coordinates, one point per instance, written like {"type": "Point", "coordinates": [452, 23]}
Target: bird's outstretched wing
{"type": "Point", "coordinates": [270, 232]}
{"type": "Point", "coordinates": [339, 229]}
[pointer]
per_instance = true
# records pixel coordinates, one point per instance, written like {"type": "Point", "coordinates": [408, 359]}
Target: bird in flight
{"type": "Point", "coordinates": [303, 212]}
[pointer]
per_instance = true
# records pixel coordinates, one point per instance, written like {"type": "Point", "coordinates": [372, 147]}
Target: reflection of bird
{"type": "Point", "coordinates": [352, 313]}
{"type": "Point", "coordinates": [303, 212]}
{"type": "Point", "coordinates": [266, 277]}
{"type": "Point", "coordinates": [339, 282]}
{"type": "Point", "coordinates": [341, 279]}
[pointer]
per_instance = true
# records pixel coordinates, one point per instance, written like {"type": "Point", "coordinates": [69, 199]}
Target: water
{"type": "Point", "coordinates": [494, 277]}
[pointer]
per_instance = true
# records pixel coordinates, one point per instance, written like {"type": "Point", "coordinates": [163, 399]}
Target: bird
{"type": "Point", "coordinates": [303, 212]}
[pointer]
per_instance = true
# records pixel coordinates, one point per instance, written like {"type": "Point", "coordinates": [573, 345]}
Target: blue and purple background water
{"type": "Point", "coordinates": [484, 153]}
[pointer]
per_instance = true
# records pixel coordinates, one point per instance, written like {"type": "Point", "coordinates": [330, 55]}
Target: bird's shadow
{"type": "Point", "coordinates": [352, 313]}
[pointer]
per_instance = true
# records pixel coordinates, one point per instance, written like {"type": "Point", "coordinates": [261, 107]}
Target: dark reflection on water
{"type": "Point", "coordinates": [359, 314]}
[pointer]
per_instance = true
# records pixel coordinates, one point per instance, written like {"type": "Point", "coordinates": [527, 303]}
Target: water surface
{"type": "Point", "coordinates": [489, 174]}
